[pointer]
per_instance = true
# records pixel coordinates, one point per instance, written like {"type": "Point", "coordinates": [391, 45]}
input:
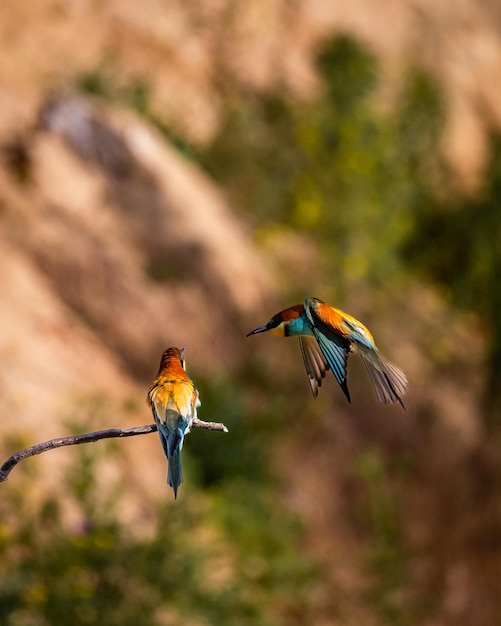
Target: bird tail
{"type": "Point", "coordinates": [172, 443]}
{"type": "Point", "coordinates": [390, 383]}
{"type": "Point", "coordinates": [175, 473]}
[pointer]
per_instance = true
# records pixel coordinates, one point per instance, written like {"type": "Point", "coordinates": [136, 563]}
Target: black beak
{"type": "Point", "coordinates": [259, 329]}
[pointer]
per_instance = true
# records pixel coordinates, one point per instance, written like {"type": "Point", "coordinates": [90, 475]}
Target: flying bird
{"type": "Point", "coordinates": [327, 336]}
{"type": "Point", "coordinates": [173, 399]}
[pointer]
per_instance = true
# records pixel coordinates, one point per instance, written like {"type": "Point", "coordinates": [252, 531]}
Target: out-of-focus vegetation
{"type": "Point", "coordinates": [366, 183]}
{"type": "Point", "coordinates": [458, 244]}
{"type": "Point", "coordinates": [354, 179]}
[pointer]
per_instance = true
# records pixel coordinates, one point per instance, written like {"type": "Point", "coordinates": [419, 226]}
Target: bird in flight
{"type": "Point", "coordinates": [327, 336]}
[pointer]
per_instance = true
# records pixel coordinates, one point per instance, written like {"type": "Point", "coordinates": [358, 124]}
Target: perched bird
{"type": "Point", "coordinates": [327, 336]}
{"type": "Point", "coordinates": [173, 399]}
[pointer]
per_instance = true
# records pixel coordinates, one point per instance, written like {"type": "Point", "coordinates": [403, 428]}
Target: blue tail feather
{"type": "Point", "coordinates": [175, 473]}
{"type": "Point", "coordinates": [172, 443]}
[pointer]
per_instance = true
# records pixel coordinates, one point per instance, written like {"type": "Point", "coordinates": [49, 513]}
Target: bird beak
{"type": "Point", "coordinates": [259, 329]}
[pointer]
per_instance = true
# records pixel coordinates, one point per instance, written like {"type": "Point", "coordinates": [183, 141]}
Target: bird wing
{"type": "Point", "coordinates": [314, 362]}
{"type": "Point", "coordinates": [356, 331]}
{"type": "Point", "coordinates": [390, 383]}
{"type": "Point", "coordinates": [325, 324]}
{"type": "Point", "coordinates": [337, 358]}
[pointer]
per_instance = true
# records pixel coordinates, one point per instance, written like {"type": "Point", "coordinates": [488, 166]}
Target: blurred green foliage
{"type": "Point", "coordinates": [335, 168]}
{"type": "Point", "coordinates": [211, 460]}
{"type": "Point", "coordinates": [457, 242]}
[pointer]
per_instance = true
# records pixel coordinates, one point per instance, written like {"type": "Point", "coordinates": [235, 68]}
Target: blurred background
{"type": "Point", "coordinates": [174, 173]}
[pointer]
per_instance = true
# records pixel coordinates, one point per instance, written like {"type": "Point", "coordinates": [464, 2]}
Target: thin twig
{"type": "Point", "coordinates": [73, 440]}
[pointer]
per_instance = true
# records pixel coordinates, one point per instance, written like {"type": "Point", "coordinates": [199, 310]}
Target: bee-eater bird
{"type": "Point", "coordinates": [173, 399]}
{"type": "Point", "coordinates": [327, 336]}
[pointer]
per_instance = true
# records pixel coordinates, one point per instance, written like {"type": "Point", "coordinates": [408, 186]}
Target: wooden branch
{"type": "Point", "coordinates": [73, 440]}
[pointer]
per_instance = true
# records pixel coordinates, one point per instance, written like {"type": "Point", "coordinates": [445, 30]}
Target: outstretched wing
{"type": "Point", "coordinates": [334, 347]}
{"type": "Point", "coordinates": [314, 362]}
{"type": "Point", "coordinates": [337, 358]}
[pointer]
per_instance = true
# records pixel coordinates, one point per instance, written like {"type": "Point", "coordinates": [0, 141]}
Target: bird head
{"type": "Point", "coordinates": [173, 355]}
{"type": "Point", "coordinates": [279, 323]}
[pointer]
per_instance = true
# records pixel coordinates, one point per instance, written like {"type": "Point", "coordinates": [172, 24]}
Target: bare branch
{"type": "Point", "coordinates": [209, 425]}
{"type": "Point", "coordinates": [73, 440]}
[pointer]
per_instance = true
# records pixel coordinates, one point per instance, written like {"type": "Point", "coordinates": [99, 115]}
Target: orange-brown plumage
{"type": "Point", "coordinates": [172, 362]}
{"type": "Point", "coordinates": [331, 316]}
{"type": "Point", "coordinates": [291, 313]}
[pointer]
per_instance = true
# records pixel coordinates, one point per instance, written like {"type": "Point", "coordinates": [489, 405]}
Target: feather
{"type": "Point", "coordinates": [389, 382]}
{"type": "Point", "coordinates": [314, 362]}
{"type": "Point", "coordinates": [337, 358]}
